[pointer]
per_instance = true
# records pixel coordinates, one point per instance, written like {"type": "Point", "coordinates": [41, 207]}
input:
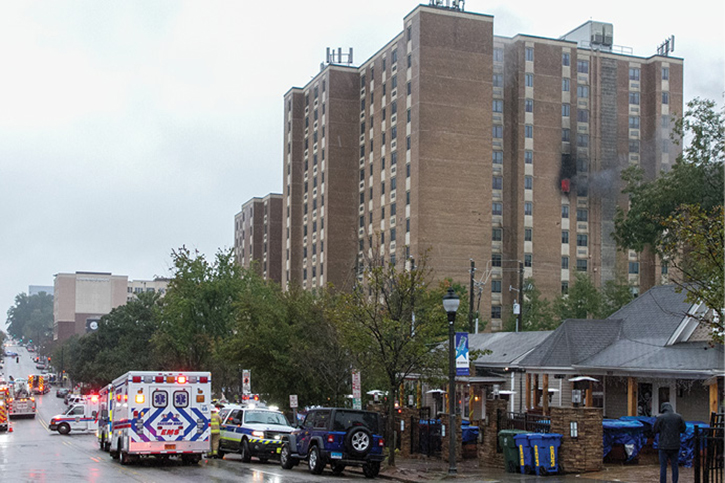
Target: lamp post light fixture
{"type": "Point", "coordinates": [450, 305]}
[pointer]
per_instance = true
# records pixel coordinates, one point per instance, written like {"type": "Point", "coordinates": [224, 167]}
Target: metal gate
{"type": "Point", "coordinates": [709, 456]}
{"type": "Point", "coordinates": [425, 436]}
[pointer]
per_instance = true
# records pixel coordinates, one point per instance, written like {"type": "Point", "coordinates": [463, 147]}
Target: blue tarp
{"type": "Point", "coordinates": [687, 442]}
{"type": "Point", "coordinates": [470, 433]}
{"type": "Point", "coordinates": [647, 421]}
{"type": "Point", "coordinates": [628, 433]}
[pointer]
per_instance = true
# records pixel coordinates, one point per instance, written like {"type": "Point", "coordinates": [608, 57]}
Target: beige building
{"type": "Point", "coordinates": [82, 298]}
{"type": "Point", "coordinates": [258, 236]}
{"type": "Point", "coordinates": [457, 143]}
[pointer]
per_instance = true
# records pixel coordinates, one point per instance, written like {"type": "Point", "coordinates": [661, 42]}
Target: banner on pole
{"type": "Point", "coordinates": [462, 359]}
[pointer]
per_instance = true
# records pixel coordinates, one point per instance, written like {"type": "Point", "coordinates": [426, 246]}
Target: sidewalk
{"type": "Point", "coordinates": [412, 470]}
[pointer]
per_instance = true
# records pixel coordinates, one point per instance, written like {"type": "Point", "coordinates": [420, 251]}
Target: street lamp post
{"type": "Point", "coordinates": [450, 304]}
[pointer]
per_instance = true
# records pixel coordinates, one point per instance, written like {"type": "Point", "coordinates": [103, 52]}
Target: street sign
{"type": "Point", "coordinates": [246, 382]}
{"type": "Point", "coordinates": [293, 401]}
{"type": "Point", "coordinates": [356, 390]}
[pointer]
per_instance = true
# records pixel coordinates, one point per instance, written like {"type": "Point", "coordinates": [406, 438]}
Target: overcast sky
{"type": "Point", "coordinates": [130, 128]}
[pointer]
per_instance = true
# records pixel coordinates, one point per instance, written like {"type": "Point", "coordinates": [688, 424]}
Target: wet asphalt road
{"type": "Point", "coordinates": [34, 453]}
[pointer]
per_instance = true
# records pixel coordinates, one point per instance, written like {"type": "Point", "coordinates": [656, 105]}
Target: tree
{"type": "Point", "coordinates": [198, 309]}
{"type": "Point", "coordinates": [31, 318]}
{"type": "Point", "coordinates": [615, 294]}
{"type": "Point", "coordinates": [392, 326]}
{"type": "Point", "coordinates": [536, 313]}
{"type": "Point", "coordinates": [582, 302]}
{"type": "Point", "coordinates": [679, 214]}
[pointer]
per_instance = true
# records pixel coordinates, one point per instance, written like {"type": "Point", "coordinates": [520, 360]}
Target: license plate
{"type": "Point", "coordinates": [279, 450]}
{"type": "Point", "coordinates": [336, 456]}
{"type": "Point", "coordinates": [168, 447]}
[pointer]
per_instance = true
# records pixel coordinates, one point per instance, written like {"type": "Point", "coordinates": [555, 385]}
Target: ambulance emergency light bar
{"type": "Point", "coordinates": [160, 379]}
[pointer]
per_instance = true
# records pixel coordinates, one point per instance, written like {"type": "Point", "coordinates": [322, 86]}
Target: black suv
{"type": "Point", "coordinates": [338, 436]}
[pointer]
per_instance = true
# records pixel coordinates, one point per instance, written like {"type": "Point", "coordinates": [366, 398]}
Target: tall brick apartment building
{"type": "Point", "coordinates": [465, 145]}
{"type": "Point", "coordinates": [258, 236]}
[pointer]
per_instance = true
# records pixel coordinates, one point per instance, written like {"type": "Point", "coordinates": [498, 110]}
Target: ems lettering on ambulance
{"type": "Point", "coordinates": [169, 425]}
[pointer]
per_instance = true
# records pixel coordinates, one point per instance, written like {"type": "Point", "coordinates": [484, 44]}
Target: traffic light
{"type": "Point", "coordinates": [48, 359]}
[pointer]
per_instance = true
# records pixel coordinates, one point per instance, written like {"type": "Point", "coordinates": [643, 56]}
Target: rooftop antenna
{"type": "Point", "coordinates": [666, 47]}
{"type": "Point", "coordinates": [338, 57]}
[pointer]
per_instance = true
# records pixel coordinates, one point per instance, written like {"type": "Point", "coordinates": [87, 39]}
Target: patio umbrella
{"type": "Point", "coordinates": [583, 378]}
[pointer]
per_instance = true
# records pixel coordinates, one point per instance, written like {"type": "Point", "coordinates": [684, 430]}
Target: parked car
{"type": "Point", "coordinates": [338, 436]}
{"type": "Point", "coordinates": [62, 392]}
{"type": "Point", "coordinates": [251, 430]}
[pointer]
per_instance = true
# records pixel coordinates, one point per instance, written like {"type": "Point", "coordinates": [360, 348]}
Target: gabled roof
{"type": "Point", "coordinates": [507, 348]}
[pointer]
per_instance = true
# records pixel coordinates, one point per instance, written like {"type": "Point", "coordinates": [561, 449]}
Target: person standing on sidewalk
{"type": "Point", "coordinates": [669, 425]}
{"type": "Point", "coordinates": [214, 424]}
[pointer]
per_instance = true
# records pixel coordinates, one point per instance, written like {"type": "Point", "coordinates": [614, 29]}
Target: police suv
{"type": "Point", "coordinates": [252, 430]}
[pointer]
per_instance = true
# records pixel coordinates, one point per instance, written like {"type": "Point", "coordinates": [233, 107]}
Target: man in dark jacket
{"type": "Point", "coordinates": [669, 425]}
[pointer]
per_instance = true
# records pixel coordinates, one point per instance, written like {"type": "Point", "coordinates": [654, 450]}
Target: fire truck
{"type": "Point", "coordinates": [36, 383]}
{"type": "Point", "coordinates": [21, 403]}
{"type": "Point", "coordinates": [4, 398]}
{"type": "Point", "coordinates": [157, 414]}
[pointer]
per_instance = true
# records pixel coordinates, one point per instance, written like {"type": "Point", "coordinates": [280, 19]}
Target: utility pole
{"type": "Point", "coordinates": [519, 320]}
{"type": "Point", "coordinates": [470, 299]}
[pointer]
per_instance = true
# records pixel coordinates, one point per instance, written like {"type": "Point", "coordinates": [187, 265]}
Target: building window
{"type": "Point", "coordinates": [664, 269]}
{"type": "Point", "coordinates": [497, 182]}
{"type": "Point", "coordinates": [582, 165]}
{"type": "Point", "coordinates": [582, 66]}
{"type": "Point", "coordinates": [496, 260]}
{"type": "Point", "coordinates": [634, 98]}
{"type": "Point", "coordinates": [565, 83]}
{"type": "Point", "coordinates": [498, 55]}
{"type": "Point", "coordinates": [495, 311]}
{"type": "Point", "coordinates": [497, 105]}
{"type": "Point", "coordinates": [528, 157]}
{"type": "Point", "coordinates": [582, 140]}
{"type": "Point", "coordinates": [581, 265]}
{"type": "Point", "coordinates": [407, 197]}
{"type": "Point", "coordinates": [665, 121]}
{"type": "Point", "coordinates": [564, 288]}
{"type": "Point", "coordinates": [565, 236]}
{"type": "Point", "coordinates": [582, 115]}
{"type": "Point", "coordinates": [498, 157]}
{"type": "Point", "coordinates": [528, 182]}
{"type": "Point", "coordinates": [582, 91]}
{"type": "Point", "coordinates": [582, 240]}
{"type": "Point", "coordinates": [497, 131]}
{"type": "Point", "coordinates": [495, 286]}
{"type": "Point", "coordinates": [394, 132]}
{"type": "Point", "coordinates": [530, 54]}
{"type": "Point", "coordinates": [393, 158]}
{"type": "Point", "coordinates": [633, 74]}
{"type": "Point", "coordinates": [634, 267]}
{"type": "Point", "coordinates": [393, 209]}
{"type": "Point", "coordinates": [633, 146]}
{"type": "Point", "coordinates": [565, 135]}
{"type": "Point", "coordinates": [634, 122]}
{"type": "Point", "coordinates": [393, 184]}
{"type": "Point", "coordinates": [665, 98]}
{"type": "Point", "coordinates": [497, 208]}
{"type": "Point", "coordinates": [582, 214]}
{"type": "Point", "coordinates": [565, 263]}
{"type": "Point", "coordinates": [407, 225]}
{"type": "Point", "coordinates": [565, 211]}
{"type": "Point", "coordinates": [408, 117]}
{"type": "Point", "coordinates": [565, 58]}
{"type": "Point", "coordinates": [665, 73]}
{"type": "Point", "coordinates": [529, 131]}
{"type": "Point", "coordinates": [565, 110]}
{"type": "Point", "coordinates": [528, 259]}
{"type": "Point", "coordinates": [497, 234]}
{"type": "Point", "coordinates": [529, 79]}
{"type": "Point", "coordinates": [498, 80]}
{"type": "Point", "coordinates": [407, 143]}
{"type": "Point", "coordinates": [528, 234]}
{"type": "Point", "coordinates": [409, 88]}
{"type": "Point", "coordinates": [528, 208]}
{"type": "Point", "coordinates": [529, 105]}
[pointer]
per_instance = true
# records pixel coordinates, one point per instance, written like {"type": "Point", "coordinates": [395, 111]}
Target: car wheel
{"type": "Point", "coordinates": [123, 458]}
{"type": "Point", "coordinates": [337, 468]}
{"type": "Point", "coordinates": [220, 453]}
{"type": "Point", "coordinates": [190, 459]}
{"type": "Point", "coordinates": [244, 451]}
{"type": "Point", "coordinates": [315, 461]}
{"type": "Point", "coordinates": [285, 458]}
{"type": "Point", "coordinates": [64, 429]}
{"type": "Point", "coordinates": [101, 443]}
{"type": "Point", "coordinates": [358, 441]}
{"type": "Point", "coordinates": [371, 469]}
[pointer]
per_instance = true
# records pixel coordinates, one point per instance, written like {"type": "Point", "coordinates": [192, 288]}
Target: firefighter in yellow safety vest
{"type": "Point", "coordinates": [214, 424]}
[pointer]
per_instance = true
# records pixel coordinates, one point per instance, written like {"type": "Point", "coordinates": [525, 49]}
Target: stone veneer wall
{"type": "Point", "coordinates": [584, 453]}
{"type": "Point", "coordinates": [487, 454]}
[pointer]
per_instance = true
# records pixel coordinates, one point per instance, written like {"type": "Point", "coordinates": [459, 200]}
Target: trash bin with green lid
{"type": "Point", "coordinates": [510, 451]}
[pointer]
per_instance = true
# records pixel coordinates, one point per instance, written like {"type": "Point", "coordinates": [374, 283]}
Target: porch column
{"type": "Point", "coordinates": [545, 397]}
{"type": "Point", "coordinates": [528, 391]}
{"type": "Point", "coordinates": [631, 396]}
{"type": "Point", "coordinates": [589, 399]}
{"type": "Point", "coordinates": [536, 391]}
{"type": "Point", "coordinates": [713, 396]}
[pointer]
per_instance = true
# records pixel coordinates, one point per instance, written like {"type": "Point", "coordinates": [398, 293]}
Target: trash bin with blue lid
{"type": "Point", "coordinates": [525, 453]}
{"type": "Point", "coordinates": [510, 450]}
{"type": "Point", "coordinates": [545, 448]}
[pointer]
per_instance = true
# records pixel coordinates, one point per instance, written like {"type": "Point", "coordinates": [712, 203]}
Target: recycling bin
{"type": "Point", "coordinates": [510, 450]}
{"type": "Point", "coordinates": [525, 453]}
{"type": "Point", "coordinates": [545, 450]}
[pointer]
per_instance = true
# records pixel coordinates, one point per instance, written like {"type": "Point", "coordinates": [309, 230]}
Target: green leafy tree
{"type": "Point", "coordinates": [537, 313]}
{"type": "Point", "coordinates": [199, 308]}
{"type": "Point", "coordinates": [615, 294]}
{"type": "Point", "coordinates": [582, 302]}
{"type": "Point", "coordinates": [392, 327]}
{"type": "Point", "coordinates": [31, 318]}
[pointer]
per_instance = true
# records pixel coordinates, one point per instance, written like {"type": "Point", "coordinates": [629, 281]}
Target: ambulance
{"type": "Point", "coordinates": [80, 417]}
{"type": "Point", "coordinates": [159, 414]}
{"type": "Point", "coordinates": [37, 385]}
